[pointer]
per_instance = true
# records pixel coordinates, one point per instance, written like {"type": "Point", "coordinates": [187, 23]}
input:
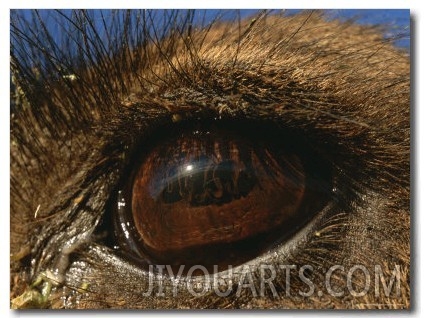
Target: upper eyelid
{"type": "Point", "coordinates": [315, 109]}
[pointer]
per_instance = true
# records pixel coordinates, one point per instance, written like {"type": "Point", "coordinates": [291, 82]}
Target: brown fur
{"type": "Point", "coordinates": [340, 84]}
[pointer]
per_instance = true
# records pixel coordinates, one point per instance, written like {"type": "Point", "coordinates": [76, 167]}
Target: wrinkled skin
{"type": "Point", "coordinates": [77, 119]}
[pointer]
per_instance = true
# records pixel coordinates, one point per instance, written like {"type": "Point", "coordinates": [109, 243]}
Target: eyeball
{"type": "Point", "coordinates": [218, 197]}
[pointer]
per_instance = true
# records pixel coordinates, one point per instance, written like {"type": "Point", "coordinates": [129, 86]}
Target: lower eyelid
{"type": "Point", "coordinates": [282, 254]}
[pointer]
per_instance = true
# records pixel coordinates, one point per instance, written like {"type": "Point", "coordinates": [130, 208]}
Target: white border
{"type": "Point", "coordinates": [251, 4]}
{"type": "Point", "coordinates": [418, 86]}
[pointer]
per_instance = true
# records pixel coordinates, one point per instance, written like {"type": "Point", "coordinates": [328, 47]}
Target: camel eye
{"type": "Point", "coordinates": [218, 197]}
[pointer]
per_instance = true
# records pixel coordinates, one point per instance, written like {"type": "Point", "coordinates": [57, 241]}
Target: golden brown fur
{"type": "Point", "coordinates": [338, 83]}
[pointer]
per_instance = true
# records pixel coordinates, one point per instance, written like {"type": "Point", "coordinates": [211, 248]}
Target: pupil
{"type": "Point", "coordinates": [204, 184]}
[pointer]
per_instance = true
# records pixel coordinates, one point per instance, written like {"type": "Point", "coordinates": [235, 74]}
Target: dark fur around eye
{"type": "Point", "coordinates": [100, 86]}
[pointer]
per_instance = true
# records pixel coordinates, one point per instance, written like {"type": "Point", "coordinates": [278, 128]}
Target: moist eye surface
{"type": "Point", "coordinates": [218, 196]}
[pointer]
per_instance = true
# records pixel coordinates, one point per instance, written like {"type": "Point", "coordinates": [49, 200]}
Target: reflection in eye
{"type": "Point", "coordinates": [218, 197]}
